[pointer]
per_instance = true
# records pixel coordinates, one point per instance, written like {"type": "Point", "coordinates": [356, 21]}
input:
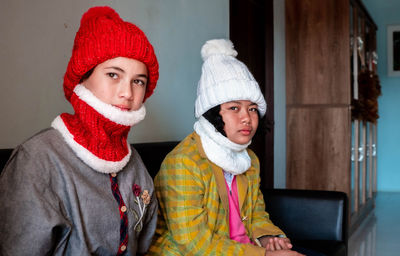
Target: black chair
{"type": "Point", "coordinates": [312, 219]}
{"type": "Point", "coordinates": [153, 153]}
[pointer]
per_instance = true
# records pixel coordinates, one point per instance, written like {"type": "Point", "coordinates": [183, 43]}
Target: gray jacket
{"type": "Point", "coordinates": [51, 203]}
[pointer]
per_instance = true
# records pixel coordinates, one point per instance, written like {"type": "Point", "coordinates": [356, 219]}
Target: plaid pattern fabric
{"type": "Point", "coordinates": [123, 241]}
{"type": "Point", "coordinates": [193, 216]}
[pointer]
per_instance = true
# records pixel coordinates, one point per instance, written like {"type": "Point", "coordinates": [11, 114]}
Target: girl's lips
{"type": "Point", "coordinates": [245, 132]}
{"type": "Point", "coordinates": [123, 108]}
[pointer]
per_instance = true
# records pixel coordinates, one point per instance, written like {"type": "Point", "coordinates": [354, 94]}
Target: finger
{"type": "Point", "coordinates": [282, 244]}
{"type": "Point", "coordinates": [287, 242]}
{"type": "Point", "coordinates": [277, 244]}
{"type": "Point", "coordinates": [271, 244]}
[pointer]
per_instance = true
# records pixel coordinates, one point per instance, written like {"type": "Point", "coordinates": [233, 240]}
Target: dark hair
{"type": "Point", "coordinates": [86, 75]}
{"type": "Point", "coordinates": [214, 117]}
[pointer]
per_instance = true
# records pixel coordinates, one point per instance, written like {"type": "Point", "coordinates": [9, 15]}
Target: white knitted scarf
{"type": "Point", "coordinates": [231, 157]}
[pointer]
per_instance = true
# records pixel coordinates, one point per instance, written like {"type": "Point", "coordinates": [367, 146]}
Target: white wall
{"type": "Point", "coordinates": [36, 40]}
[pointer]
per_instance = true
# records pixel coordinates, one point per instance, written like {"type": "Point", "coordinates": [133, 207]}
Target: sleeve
{"type": "Point", "coordinates": [31, 218]}
{"type": "Point", "coordinates": [149, 226]}
{"type": "Point", "coordinates": [261, 223]}
{"type": "Point", "coordinates": [180, 190]}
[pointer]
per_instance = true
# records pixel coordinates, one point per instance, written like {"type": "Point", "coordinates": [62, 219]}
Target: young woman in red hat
{"type": "Point", "coordinates": [78, 188]}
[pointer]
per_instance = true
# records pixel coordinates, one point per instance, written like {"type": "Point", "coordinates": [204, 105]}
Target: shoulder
{"type": "Point", "coordinates": [253, 157]}
{"type": "Point", "coordinates": [43, 140]}
{"type": "Point", "coordinates": [185, 159]}
{"type": "Point", "coordinates": [255, 164]}
{"type": "Point", "coordinates": [43, 144]}
{"type": "Point", "coordinates": [44, 157]}
{"type": "Point", "coordinates": [35, 162]}
{"type": "Point", "coordinates": [186, 150]}
{"type": "Point", "coordinates": [188, 145]}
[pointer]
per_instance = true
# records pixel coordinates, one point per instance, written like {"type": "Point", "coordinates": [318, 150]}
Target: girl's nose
{"type": "Point", "coordinates": [125, 90]}
{"type": "Point", "coordinates": [245, 118]}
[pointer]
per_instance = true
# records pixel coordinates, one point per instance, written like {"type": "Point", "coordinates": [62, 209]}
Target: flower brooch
{"type": "Point", "coordinates": [142, 201]}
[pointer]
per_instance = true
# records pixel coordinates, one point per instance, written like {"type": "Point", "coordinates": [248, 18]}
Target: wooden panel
{"type": "Point", "coordinates": [318, 148]}
{"type": "Point", "coordinates": [317, 52]}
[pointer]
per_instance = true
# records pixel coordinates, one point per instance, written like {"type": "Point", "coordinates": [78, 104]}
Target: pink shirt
{"type": "Point", "coordinates": [237, 231]}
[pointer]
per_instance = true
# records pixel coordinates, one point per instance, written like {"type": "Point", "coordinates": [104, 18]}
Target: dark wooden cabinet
{"type": "Point", "coordinates": [323, 60]}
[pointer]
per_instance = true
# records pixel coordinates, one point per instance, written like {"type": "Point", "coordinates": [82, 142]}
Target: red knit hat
{"type": "Point", "coordinates": [103, 35]}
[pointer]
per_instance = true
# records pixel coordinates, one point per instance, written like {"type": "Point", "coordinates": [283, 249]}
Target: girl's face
{"type": "Point", "coordinates": [241, 120]}
{"type": "Point", "coordinates": [120, 82]}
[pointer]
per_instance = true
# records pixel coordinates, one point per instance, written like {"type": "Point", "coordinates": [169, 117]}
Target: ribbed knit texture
{"type": "Point", "coordinates": [104, 35]}
{"type": "Point", "coordinates": [224, 78]}
{"type": "Point", "coordinates": [103, 138]}
{"type": "Point", "coordinates": [98, 132]}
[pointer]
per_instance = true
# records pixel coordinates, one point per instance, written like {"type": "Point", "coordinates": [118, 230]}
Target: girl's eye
{"type": "Point", "coordinates": [139, 82]}
{"type": "Point", "coordinates": [112, 75]}
{"type": "Point", "coordinates": [253, 109]}
{"type": "Point", "coordinates": [233, 108]}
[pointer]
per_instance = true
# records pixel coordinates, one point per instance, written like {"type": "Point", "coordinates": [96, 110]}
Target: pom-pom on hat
{"type": "Point", "coordinates": [224, 78]}
{"type": "Point", "coordinates": [103, 35]}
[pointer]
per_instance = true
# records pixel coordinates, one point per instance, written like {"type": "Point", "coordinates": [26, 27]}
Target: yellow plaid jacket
{"type": "Point", "coordinates": [193, 215]}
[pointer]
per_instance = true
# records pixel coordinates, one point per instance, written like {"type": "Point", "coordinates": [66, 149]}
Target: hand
{"type": "Point", "coordinates": [283, 253]}
{"type": "Point", "coordinates": [276, 243]}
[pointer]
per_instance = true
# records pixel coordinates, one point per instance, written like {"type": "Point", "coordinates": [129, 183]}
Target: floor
{"type": "Point", "coordinates": [379, 234]}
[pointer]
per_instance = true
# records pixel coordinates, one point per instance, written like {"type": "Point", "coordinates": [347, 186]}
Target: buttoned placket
{"type": "Point", "coordinates": [123, 242]}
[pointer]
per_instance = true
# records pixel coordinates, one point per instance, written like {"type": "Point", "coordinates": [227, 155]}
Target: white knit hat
{"type": "Point", "coordinates": [224, 78]}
